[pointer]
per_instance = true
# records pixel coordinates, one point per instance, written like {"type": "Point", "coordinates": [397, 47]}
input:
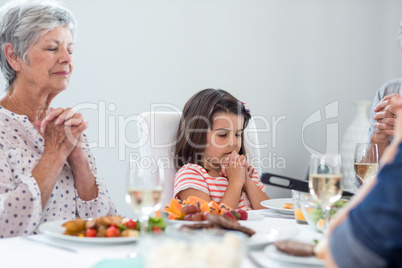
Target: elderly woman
{"type": "Point", "coordinates": [47, 172]}
{"type": "Point", "coordinates": [377, 242]}
{"type": "Point", "coordinates": [383, 110]}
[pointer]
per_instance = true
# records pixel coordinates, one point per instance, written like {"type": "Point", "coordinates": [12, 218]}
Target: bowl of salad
{"type": "Point", "coordinates": [314, 214]}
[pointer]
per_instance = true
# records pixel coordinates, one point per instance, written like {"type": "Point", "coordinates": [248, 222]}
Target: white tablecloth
{"type": "Point", "coordinates": [22, 252]}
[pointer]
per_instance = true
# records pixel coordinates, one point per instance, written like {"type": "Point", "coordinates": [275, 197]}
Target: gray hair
{"type": "Point", "coordinates": [23, 22]}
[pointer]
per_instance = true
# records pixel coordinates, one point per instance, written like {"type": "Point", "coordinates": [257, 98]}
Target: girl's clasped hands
{"type": "Point", "coordinates": [235, 168]}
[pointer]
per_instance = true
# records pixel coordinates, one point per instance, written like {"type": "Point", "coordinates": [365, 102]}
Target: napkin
{"type": "Point", "coordinates": [121, 263]}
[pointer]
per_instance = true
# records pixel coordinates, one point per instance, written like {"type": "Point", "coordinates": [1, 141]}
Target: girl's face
{"type": "Point", "coordinates": [222, 139]}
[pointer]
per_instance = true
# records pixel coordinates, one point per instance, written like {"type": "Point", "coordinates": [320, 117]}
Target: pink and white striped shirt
{"type": "Point", "coordinates": [196, 177]}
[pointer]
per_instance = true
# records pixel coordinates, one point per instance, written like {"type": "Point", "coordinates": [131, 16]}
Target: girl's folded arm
{"type": "Point", "coordinates": [184, 194]}
{"type": "Point", "coordinates": [232, 194]}
{"type": "Point", "coordinates": [256, 195]}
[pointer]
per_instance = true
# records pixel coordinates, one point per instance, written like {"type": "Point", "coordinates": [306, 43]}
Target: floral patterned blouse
{"type": "Point", "coordinates": [21, 212]}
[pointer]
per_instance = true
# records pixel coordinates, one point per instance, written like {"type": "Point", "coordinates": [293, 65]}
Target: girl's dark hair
{"type": "Point", "coordinates": [197, 119]}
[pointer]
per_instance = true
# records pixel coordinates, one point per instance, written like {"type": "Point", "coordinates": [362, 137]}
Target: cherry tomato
{"type": "Point", "coordinates": [112, 231]}
{"type": "Point", "coordinates": [157, 229]}
{"type": "Point", "coordinates": [90, 232]}
{"type": "Point", "coordinates": [131, 224]}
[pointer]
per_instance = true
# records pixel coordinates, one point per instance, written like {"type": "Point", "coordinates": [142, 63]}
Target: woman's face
{"type": "Point", "coordinates": [223, 138]}
{"type": "Point", "coordinates": [49, 61]}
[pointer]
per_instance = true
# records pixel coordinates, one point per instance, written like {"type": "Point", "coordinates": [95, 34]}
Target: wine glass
{"type": "Point", "coordinates": [326, 181]}
{"type": "Point", "coordinates": [366, 161]}
{"type": "Point", "coordinates": [144, 190]}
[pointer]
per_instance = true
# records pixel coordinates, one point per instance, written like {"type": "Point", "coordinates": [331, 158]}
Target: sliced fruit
{"type": "Point", "coordinates": [228, 214]}
{"type": "Point", "coordinates": [188, 217]}
{"type": "Point", "coordinates": [213, 207]}
{"type": "Point", "coordinates": [193, 200]}
{"type": "Point", "coordinates": [236, 214]}
{"type": "Point", "coordinates": [158, 213]}
{"type": "Point", "coordinates": [189, 209]}
{"type": "Point", "coordinates": [172, 216]}
{"type": "Point", "coordinates": [223, 208]}
{"type": "Point", "coordinates": [175, 208]}
{"type": "Point", "coordinates": [205, 207]}
{"type": "Point", "coordinates": [243, 214]}
{"type": "Point", "coordinates": [197, 217]}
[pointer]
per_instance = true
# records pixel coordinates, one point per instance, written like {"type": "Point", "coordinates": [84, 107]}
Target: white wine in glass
{"type": "Point", "coordinates": [144, 201]}
{"type": "Point", "coordinates": [327, 188]}
{"type": "Point", "coordinates": [144, 190]}
{"type": "Point", "coordinates": [326, 181]}
{"type": "Point", "coordinates": [366, 161]}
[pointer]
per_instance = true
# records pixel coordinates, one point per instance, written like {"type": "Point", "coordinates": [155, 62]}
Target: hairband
{"type": "Point", "coordinates": [245, 107]}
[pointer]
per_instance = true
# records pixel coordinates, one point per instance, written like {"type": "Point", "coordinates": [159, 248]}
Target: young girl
{"type": "Point", "coordinates": [210, 152]}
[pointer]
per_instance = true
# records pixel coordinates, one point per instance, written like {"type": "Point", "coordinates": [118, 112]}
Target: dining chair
{"type": "Point", "coordinates": [158, 131]}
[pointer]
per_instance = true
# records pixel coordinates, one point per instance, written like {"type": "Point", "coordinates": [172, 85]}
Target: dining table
{"type": "Point", "coordinates": [42, 250]}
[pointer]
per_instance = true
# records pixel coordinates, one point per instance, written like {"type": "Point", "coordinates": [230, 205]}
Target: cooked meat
{"type": "Point", "coordinates": [108, 220]}
{"type": "Point", "coordinates": [295, 248]}
{"type": "Point", "coordinates": [229, 224]}
{"type": "Point", "coordinates": [74, 227]}
{"type": "Point", "coordinates": [190, 228]}
{"type": "Point", "coordinates": [200, 225]}
{"type": "Point", "coordinates": [220, 222]}
{"type": "Point", "coordinates": [90, 224]}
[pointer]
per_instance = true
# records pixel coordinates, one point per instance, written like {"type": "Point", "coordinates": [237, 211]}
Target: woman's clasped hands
{"type": "Point", "coordinates": [62, 130]}
{"type": "Point", "coordinates": [385, 114]}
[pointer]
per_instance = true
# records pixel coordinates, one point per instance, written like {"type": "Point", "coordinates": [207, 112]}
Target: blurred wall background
{"type": "Point", "coordinates": [285, 59]}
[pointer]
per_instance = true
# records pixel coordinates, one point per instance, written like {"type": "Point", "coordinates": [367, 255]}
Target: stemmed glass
{"type": "Point", "coordinates": [144, 190]}
{"type": "Point", "coordinates": [326, 181]}
{"type": "Point", "coordinates": [366, 161]}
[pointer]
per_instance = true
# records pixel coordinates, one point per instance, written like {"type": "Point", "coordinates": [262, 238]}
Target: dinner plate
{"type": "Point", "coordinates": [259, 239]}
{"type": "Point", "coordinates": [56, 230]}
{"type": "Point", "coordinates": [272, 252]}
{"type": "Point", "coordinates": [277, 204]}
{"type": "Point", "coordinates": [271, 235]}
{"type": "Point", "coordinates": [184, 222]}
{"type": "Point", "coordinates": [253, 215]}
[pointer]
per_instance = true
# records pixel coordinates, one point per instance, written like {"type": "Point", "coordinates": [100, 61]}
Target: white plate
{"type": "Point", "coordinates": [277, 204]}
{"type": "Point", "coordinates": [253, 215]}
{"type": "Point", "coordinates": [56, 230]}
{"type": "Point", "coordinates": [272, 252]}
{"type": "Point", "coordinates": [271, 235]}
{"type": "Point", "coordinates": [184, 222]}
